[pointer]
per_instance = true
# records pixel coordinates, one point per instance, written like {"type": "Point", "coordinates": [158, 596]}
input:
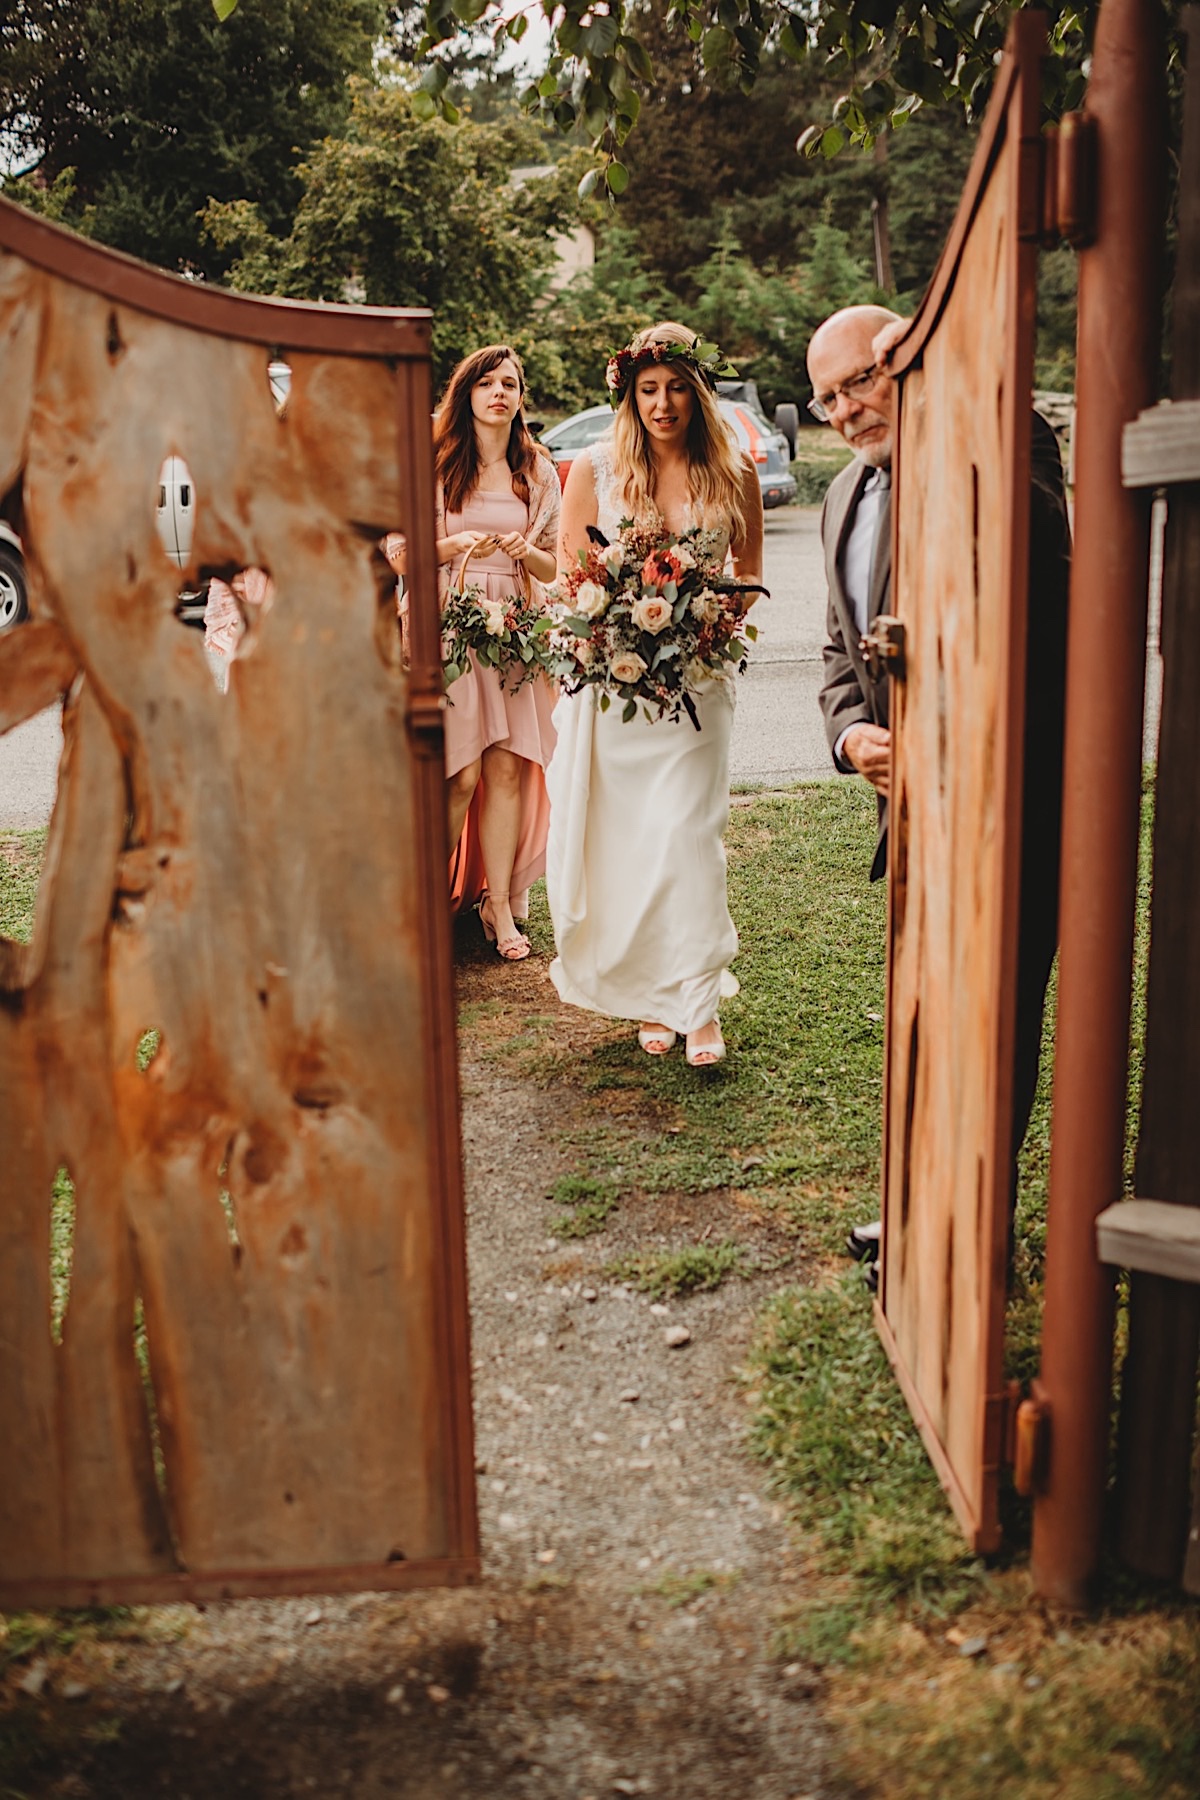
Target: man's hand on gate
{"type": "Point", "coordinates": [869, 748]}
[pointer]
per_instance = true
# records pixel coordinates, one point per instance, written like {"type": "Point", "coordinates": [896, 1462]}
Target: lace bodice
{"type": "Point", "coordinates": [610, 505]}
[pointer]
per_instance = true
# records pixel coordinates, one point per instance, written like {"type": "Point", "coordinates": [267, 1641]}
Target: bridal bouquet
{"type": "Point", "coordinates": [649, 618]}
{"type": "Point", "coordinates": [510, 635]}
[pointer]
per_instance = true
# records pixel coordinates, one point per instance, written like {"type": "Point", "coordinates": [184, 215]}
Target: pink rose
{"type": "Point", "coordinates": [651, 613]}
{"type": "Point", "coordinates": [627, 666]}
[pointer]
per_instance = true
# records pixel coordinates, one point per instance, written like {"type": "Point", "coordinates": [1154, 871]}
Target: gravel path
{"type": "Point", "coordinates": [635, 1566]}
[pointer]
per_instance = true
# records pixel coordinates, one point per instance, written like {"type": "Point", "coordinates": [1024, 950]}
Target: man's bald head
{"type": "Point", "coordinates": [841, 350]}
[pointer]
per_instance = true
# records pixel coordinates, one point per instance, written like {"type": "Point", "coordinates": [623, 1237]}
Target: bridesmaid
{"type": "Point", "coordinates": [497, 495]}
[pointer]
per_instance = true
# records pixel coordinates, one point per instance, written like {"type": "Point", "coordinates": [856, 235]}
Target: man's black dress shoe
{"type": "Point", "coordinates": [863, 1242]}
{"type": "Point", "coordinates": [871, 1276]}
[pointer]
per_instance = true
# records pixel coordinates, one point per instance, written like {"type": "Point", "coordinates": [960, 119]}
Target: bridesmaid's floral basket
{"type": "Point", "coordinates": [510, 635]}
{"type": "Point", "coordinates": [648, 620]}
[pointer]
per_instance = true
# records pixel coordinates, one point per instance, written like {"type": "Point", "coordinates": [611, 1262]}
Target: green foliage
{"type": "Point", "coordinates": [696, 1269]}
{"type": "Point", "coordinates": [820, 455]}
{"type": "Point", "coordinates": [1057, 277]}
{"type": "Point", "coordinates": [595, 313]}
{"type": "Point", "coordinates": [888, 57]}
{"type": "Point", "coordinates": [157, 107]}
{"type": "Point", "coordinates": [404, 211]}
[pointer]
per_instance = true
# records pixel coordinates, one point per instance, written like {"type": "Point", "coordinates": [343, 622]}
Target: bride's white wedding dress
{"type": "Point", "coordinates": [635, 865]}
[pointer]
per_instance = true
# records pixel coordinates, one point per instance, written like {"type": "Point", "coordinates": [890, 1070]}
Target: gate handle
{"type": "Point", "coordinates": [883, 648]}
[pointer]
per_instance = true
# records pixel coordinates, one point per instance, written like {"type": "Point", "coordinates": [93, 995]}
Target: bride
{"type": "Point", "coordinates": [635, 865]}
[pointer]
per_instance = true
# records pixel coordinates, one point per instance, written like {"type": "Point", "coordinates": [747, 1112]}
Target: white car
{"type": "Point", "coordinates": [767, 446]}
{"type": "Point", "coordinates": [174, 517]}
{"type": "Point", "coordinates": [14, 588]}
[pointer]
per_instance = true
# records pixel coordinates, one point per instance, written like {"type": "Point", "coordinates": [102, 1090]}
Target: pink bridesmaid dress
{"type": "Point", "coordinates": [482, 713]}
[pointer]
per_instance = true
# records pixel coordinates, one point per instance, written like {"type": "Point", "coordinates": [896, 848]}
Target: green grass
{"type": "Point", "coordinates": [693, 1270]}
{"type": "Point", "coordinates": [20, 861]}
{"type": "Point", "coordinates": [794, 1111]}
{"type": "Point", "coordinates": [62, 1248]}
{"type": "Point", "coordinates": [591, 1200]}
{"type": "Point", "coordinates": [1103, 1707]}
{"type": "Point", "coordinates": [682, 1589]}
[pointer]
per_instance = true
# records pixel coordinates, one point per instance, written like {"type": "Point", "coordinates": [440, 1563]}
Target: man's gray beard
{"type": "Point", "coordinates": [876, 456]}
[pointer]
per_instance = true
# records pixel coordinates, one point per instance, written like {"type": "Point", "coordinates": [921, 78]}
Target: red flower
{"type": "Point", "coordinates": [660, 567]}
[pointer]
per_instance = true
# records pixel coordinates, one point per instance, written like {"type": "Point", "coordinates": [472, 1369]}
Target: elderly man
{"type": "Point", "coordinates": [855, 395]}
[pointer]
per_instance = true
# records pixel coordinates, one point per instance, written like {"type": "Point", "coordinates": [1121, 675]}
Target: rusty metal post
{"type": "Point", "coordinates": [1120, 297]}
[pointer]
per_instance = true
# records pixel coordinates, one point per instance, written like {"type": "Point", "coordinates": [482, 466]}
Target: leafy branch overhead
{"type": "Point", "coordinates": [890, 56]}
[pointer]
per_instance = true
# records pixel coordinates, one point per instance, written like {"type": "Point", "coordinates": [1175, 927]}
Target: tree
{"type": "Point", "coordinates": [401, 211]}
{"type": "Point", "coordinates": [156, 108]}
{"type": "Point", "coordinates": [586, 321]}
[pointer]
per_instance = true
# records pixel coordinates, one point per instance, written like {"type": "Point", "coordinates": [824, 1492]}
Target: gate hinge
{"type": "Point", "coordinates": [883, 648]}
{"type": "Point", "coordinates": [1031, 1442]}
{"type": "Point", "coordinates": [1074, 212]}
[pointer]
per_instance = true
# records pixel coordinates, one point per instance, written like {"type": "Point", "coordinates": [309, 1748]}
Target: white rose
{"type": "Point", "coordinates": [591, 600]}
{"type": "Point", "coordinates": [651, 613]}
{"type": "Point", "coordinates": [683, 556]}
{"type": "Point", "coordinates": [614, 560]}
{"type": "Point", "coordinates": [627, 666]}
{"type": "Point", "coordinates": [706, 607]}
{"type": "Point", "coordinates": [494, 612]}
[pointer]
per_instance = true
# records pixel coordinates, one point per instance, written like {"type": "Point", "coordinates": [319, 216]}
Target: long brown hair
{"type": "Point", "coordinates": [715, 465]}
{"type": "Point", "coordinates": [455, 451]}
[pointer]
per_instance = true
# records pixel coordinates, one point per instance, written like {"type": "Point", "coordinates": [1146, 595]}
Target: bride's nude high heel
{"type": "Point", "coordinates": [510, 949]}
{"type": "Point", "coordinates": [656, 1040]}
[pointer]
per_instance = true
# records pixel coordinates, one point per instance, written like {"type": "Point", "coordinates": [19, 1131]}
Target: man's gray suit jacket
{"type": "Point", "coordinates": [849, 695]}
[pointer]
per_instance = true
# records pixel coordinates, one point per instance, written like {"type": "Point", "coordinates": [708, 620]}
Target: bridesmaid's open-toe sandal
{"type": "Point", "coordinates": [509, 949]}
{"type": "Point", "coordinates": [656, 1040]}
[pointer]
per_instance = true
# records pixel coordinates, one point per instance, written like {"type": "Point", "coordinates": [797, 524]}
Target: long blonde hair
{"type": "Point", "coordinates": [715, 464]}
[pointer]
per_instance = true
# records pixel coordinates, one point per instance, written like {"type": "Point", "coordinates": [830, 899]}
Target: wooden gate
{"type": "Point", "coordinates": [960, 575]}
{"type": "Point", "coordinates": [227, 1058]}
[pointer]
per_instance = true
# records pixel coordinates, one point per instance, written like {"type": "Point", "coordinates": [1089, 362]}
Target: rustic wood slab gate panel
{"type": "Point", "coordinates": [960, 575]}
{"type": "Point", "coordinates": [263, 1378]}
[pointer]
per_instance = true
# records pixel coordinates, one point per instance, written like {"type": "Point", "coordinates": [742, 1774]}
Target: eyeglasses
{"type": "Point", "coordinates": [857, 389]}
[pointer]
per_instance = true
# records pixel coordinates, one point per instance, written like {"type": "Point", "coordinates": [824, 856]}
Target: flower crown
{"type": "Point", "coordinates": [707, 360]}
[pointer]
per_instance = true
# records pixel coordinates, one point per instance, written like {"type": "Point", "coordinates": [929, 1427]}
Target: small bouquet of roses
{"type": "Point", "coordinates": [648, 619]}
{"type": "Point", "coordinates": [511, 635]}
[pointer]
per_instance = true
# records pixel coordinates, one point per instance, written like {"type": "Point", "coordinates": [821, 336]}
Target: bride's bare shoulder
{"type": "Point", "coordinates": [581, 476]}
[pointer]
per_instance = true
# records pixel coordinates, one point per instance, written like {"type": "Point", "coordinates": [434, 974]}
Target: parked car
{"type": "Point", "coordinates": [767, 447]}
{"type": "Point", "coordinates": [14, 588]}
{"type": "Point", "coordinates": [174, 512]}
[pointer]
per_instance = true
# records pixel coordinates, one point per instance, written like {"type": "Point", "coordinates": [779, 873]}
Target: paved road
{"type": "Point", "coordinates": [778, 736]}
